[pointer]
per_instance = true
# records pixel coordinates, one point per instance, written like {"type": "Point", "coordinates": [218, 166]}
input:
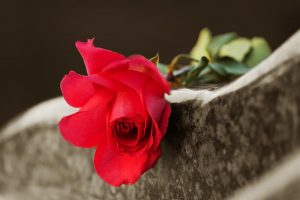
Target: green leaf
{"type": "Point", "coordinates": [155, 59]}
{"type": "Point", "coordinates": [162, 68]}
{"type": "Point", "coordinates": [233, 67]}
{"type": "Point", "coordinates": [207, 75]}
{"type": "Point", "coordinates": [260, 50]}
{"type": "Point", "coordinates": [209, 78]}
{"type": "Point", "coordinates": [218, 68]}
{"type": "Point", "coordinates": [204, 72]}
{"type": "Point", "coordinates": [192, 75]}
{"type": "Point", "coordinates": [200, 48]}
{"type": "Point", "coordinates": [218, 41]}
{"type": "Point", "coordinates": [236, 49]}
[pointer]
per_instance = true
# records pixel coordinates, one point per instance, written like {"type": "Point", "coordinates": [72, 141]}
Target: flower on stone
{"type": "Point", "coordinates": [122, 112]}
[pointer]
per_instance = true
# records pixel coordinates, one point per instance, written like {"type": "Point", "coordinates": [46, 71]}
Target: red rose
{"type": "Point", "coordinates": [122, 112]}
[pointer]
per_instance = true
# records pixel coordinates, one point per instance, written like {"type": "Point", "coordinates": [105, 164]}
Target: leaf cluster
{"type": "Point", "coordinates": [215, 59]}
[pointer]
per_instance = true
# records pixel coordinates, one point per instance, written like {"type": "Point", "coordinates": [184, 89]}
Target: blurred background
{"type": "Point", "coordinates": [37, 37]}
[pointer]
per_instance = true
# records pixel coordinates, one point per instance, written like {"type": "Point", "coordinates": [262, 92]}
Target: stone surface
{"type": "Point", "coordinates": [217, 142]}
{"type": "Point", "coordinates": [281, 183]}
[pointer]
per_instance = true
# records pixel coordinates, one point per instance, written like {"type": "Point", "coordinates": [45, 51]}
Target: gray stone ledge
{"type": "Point", "coordinates": [281, 183]}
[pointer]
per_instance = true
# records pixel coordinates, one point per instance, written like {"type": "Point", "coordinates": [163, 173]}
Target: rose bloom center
{"type": "Point", "coordinates": [126, 129]}
{"type": "Point", "coordinates": [127, 133]}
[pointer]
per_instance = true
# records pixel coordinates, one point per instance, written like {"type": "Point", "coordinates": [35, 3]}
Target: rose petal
{"type": "Point", "coordinates": [163, 124]}
{"type": "Point", "coordinates": [143, 65]}
{"type": "Point", "coordinates": [159, 129]}
{"type": "Point", "coordinates": [127, 104]}
{"type": "Point", "coordinates": [84, 128]}
{"type": "Point", "coordinates": [151, 90]}
{"type": "Point", "coordinates": [88, 126]}
{"type": "Point", "coordinates": [157, 136]}
{"type": "Point", "coordinates": [96, 59]}
{"type": "Point", "coordinates": [153, 159]}
{"type": "Point", "coordinates": [132, 79]}
{"type": "Point", "coordinates": [154, 101]}
{"type": "Point", "coordinates": [117, 169]}
{"type": "Point", "coordinates": [77, 89]}
{"type": "Point", "coordinates": [135, 72]}
{"type": "Point", "coordinates": [145, 142]}
{"type": "Point", "coordinates": [107, 82]}
{"type": "Point", "coordinates": [101, 99]}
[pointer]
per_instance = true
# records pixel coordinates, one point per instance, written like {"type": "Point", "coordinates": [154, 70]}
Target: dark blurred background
{"type": "Point", "coordinates": [37, 37]}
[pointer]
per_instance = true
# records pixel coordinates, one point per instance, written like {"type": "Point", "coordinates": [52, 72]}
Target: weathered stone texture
{"type": "Point", "coordinates": [223, 145]}
{"type": "Point", "coordinates": [283, 182]}
{"type": "Point", "coordinates": [211, 148]}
